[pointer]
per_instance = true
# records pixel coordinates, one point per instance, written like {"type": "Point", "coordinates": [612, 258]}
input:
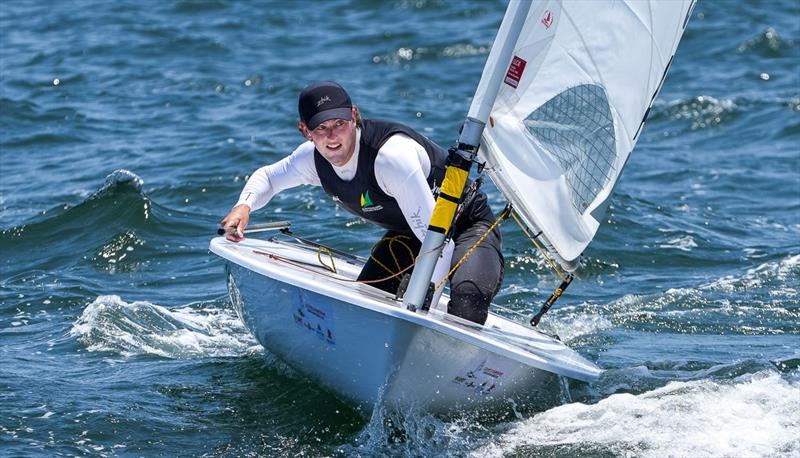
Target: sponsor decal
{"type": "Point", "coordinates": [514, 74]}
{"type": "Point", "coordinates": [317, 320]}
{"type": "Point", "coordinates": [367, 205]}
{"type": "Point", "coordinates": [486, 376]}
{"type": "Point", "coordinates": [547, 19]}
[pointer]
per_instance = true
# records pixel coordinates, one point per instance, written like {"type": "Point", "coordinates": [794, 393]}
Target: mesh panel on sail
{"type": "Point", "coordinates": [577, 128]}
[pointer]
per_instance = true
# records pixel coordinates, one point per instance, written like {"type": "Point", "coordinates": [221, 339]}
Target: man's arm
{"type": "Point", "coordinates": [401, 169]}
{"type": "Point", "coordinates": [294, 170]}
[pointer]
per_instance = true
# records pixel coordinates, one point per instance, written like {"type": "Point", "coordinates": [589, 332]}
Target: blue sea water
{"type": "Point", "coordinates": [129, 128]}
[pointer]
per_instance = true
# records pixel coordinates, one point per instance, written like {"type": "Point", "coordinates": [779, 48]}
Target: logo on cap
{"type": "Point", "coordinates": [323, 100]}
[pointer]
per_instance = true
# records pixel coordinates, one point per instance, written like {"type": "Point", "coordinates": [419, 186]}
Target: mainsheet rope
{"type": "Point", "coordinates": [332, 267]}
{"type": "Point", "coordinates": [538, 247]}
{"type": "Point", "coordinates": [469, 252]}
{"type": "Point", "coordinates": [503, 215]}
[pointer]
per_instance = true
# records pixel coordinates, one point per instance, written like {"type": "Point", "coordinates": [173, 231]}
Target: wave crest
{"type": "Point", "coordinates": [696, 418]}
{"type": "Point", "coordinates": [119, 179]}
{"type": "Point", "coordinates": [703, 111]}
{"type": "Point", "coordinates": [142, 328]}
{"type": "Point", "coordinates": [768, 43]}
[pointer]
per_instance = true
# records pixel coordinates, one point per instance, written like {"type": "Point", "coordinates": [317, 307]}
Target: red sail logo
{"type": "Point", "coordinates": [547, 19]}
{"type": "Point", "coordinates": [514, 73]}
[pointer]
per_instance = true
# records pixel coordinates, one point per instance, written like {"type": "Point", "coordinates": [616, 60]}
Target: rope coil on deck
{"type": "Point", "coordinates": [508, 211]}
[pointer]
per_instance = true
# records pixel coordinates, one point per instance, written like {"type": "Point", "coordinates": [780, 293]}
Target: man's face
{"type": "Point", "coordinates": [335, 139]}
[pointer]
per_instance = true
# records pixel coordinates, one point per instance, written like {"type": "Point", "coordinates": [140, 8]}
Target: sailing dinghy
{"type": "Point", "coordinates": [563, 96]}
{"type": "Point", "coordinates": [363, 344]}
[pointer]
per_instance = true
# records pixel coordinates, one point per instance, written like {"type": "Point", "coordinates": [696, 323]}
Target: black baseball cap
{"type": "Point", "coordinates": [323, 100]}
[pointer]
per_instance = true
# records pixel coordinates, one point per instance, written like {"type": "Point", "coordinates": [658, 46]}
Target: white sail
{"type": "Point", "coordinates": [574, 100]}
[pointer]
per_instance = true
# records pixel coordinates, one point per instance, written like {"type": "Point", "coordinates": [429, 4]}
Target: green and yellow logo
{"type": "Point", "coordinates": [365, 200]}
{"type": "Point", "coordinates": [367, 205]}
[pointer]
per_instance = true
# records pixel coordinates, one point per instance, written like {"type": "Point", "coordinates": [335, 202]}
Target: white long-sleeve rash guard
{"type": "Point", "coordinates": [399, 174]}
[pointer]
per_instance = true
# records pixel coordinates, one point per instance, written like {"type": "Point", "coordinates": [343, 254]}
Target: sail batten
{"type": "Point", "coordinates": [582, 80]}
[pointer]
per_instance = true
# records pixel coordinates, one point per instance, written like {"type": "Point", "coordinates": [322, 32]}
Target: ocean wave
{"type": "Point", "coordinates": [762, 301]}
{"type": "Point", "coordinates": [414, 432]}
{"type": "Point", "coordinates": [573, 323]}
{"type": "Point", "coordinates": [768, 43]}
{"type": "Point", "coordinates": [110, 324]}
{"type": "Point", "coordinates": [407, 53]}
{"type": "Point", "coordinates": [706, 112]}
{"type": "Point", "coordinates": [534, 268]}
{"type": "Point", "coordinates": [783, 275]}
{"type": "Point", "coordinates": [112, 255]}
{"type": "Point", "coordinates": [114, 220]}
{"type": "Point", "coordinates": [21, 112]}
{"type": "Point", "coordinates": [120, 188]}
{"type": "Point", "coordinates": [752, 415]}
{"type": "Point", "coordinates": [794, 104]}
{"type": "Point", "coordinates": [119, 179]}
{"type": "Point", "coordinates": [650, 375]}
{"type": "Point", "coordinates": [683, 243]}
{"type": "Point", "coordinates": [43, 139]}
{"type": "Point", "coordinates": [727, 307]}
{"type": "Point", "coordinates": [700, 112]}
{"type": "Point", "coordinates": [118, 205]}
{"type": "Point", "coordinates": [193, 6]}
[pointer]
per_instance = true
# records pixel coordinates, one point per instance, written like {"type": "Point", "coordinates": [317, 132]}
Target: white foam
{"type": "Point", "coordinates": [413, 432]}
{"type": "Point", "coordinates": [575, 321]}
{"type": "Point", "coordinates": [753, 415]}
{"type": "Point", "coordinates": [703, 111]}
{"type": "Point", "coordinates": [135, 328]}
{"type": "Point", "coordinates": [758, 277]}
{"type": "Point", "coordinates": [684, 243]}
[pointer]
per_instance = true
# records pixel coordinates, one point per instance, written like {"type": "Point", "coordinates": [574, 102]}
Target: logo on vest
{"type": "Point", "coordinates": [367, 205]}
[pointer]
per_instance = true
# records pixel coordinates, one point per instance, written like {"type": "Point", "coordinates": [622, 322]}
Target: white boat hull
{"type": "Point", "coordinates": [362, 344]}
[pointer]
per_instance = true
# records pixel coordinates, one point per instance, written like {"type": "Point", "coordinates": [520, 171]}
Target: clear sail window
{"type": "Point", "coordinates": [577, 128]}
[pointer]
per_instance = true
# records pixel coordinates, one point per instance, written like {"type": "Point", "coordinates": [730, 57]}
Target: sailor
{"type": "Point", "coordinates": [385, 173]}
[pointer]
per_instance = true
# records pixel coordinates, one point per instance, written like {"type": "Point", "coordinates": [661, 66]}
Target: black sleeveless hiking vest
{"type": "Point", "coordinates": [362, 196]}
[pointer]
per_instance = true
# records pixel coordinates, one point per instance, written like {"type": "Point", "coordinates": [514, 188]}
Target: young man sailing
{"type": "Point", "coordinates": [385, 173]}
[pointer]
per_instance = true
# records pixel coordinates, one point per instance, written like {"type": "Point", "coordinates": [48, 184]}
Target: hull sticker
{"type": "Point", "coordinates": [483, 375]}
{"type": "Point", "coordinates": [317, 319]}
